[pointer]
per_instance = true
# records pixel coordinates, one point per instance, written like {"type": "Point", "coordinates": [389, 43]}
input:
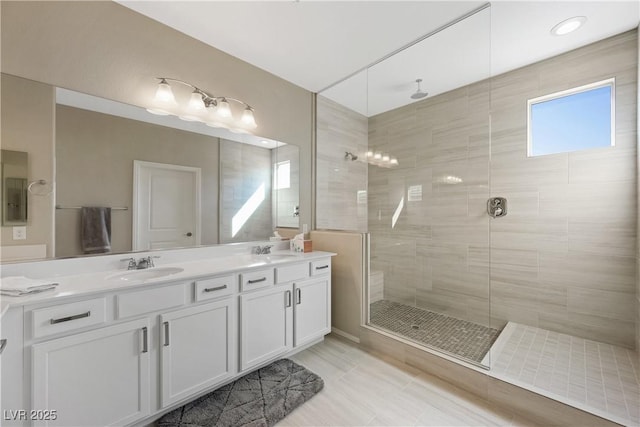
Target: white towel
{"type": "Point", "coordinates": [20, 285]}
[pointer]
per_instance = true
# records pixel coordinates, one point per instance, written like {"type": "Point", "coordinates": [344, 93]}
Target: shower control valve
{"type": "Point", "coordinates": [497, 207]}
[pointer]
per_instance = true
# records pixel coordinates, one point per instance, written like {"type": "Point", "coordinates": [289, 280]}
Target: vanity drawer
{"type": "Point", "coordinates": [68, 317]}
{"type": "Point", "coordinates": [150, 300]}
{"type": "Point", "coordinates": [215, 287]}
{"type": "Point", "coordinates": [321, 266]}
{"type": "Point", "coordinates": [289, 273]}
{"type": "Point", "coordinates": [256, 279]}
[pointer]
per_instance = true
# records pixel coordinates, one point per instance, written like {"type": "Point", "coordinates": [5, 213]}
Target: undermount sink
{"type": "Point", "coordinates": [151, 273]}
{"type": "Point", "coordinates": [277, 257]}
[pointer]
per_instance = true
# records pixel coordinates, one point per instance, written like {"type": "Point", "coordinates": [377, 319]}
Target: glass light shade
{"type": "Point", "coordinates": [385, 158]}
{"type": "Point", "coordinates": [248, 118]}
{"type": "Point", "coordinates": [163, 101]}
{"type": "Point", "coordinates": [394, 161]}
{"type": "Point", "coordinates": [164, 94]}
{"type": "Point", "coordinates": [223, 109]}
{"type": "Point", "coordinates": [196, 104]}
{"type": "Point", "coordinates": [369, 154]}
{"type": "Point", "coordinates": [214, 120]}
{"type": "Point", "coordinates": [377, 156]}
{"type": "Point", "coordinates": [195, 108]}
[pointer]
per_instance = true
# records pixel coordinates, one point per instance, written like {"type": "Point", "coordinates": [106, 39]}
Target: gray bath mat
{"type": "Point", "coordinates": [260, 398]}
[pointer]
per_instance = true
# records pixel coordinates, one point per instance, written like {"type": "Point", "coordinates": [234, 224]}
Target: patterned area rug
{"type": "Point", "coordinates": [260, 398]}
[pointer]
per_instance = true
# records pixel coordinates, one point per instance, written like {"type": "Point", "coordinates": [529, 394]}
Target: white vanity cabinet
{"type": "Point", "coordinates": [266, 325]}
{"type": "Point", "coordinates": [11, 379]}
{"type": "Point", "coordinates": [312, 310]}
{"type": "Point", "coordinates": [95, 378]}
{"type": "Point", "coordinates": [197, 349]}
{"type": "Point", "coordinates": [293, 313]}
{"type": "Point", "coordinates": [124, 355]}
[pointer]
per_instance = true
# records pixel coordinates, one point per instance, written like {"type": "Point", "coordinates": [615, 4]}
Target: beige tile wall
{"type": "Point", "coordinates": [243, 169]}
{"type": "Point", "coordinates": [565, 256]}
{"type": "Point", "coordinates": [286, 199]}
{"type": "Point", "coordinates": [338, 181]}
{"type": "Point", "coordinates": [563, 259]}
{"type": "Point", "coordinates": [436, 255]}
{"type": "Point", "coordinates": [638, 222]}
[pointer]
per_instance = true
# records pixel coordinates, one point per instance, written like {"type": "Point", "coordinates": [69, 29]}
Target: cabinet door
{"type": "Point", "coordinates": [11, 367]}
{"type": "Point", "coordinates": [97, 378]}
{"type": "Point", "coordinates": [266, 325]}
{"type": "Point", "coordinates": [197, 349]}
{"type": "Point", "coordinates": [312, 312]}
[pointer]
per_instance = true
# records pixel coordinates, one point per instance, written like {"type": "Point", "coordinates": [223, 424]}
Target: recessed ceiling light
{"type": "Point", "coordinates": [265, 142]}
{"type": "Point", "coordinates": [568, 25]}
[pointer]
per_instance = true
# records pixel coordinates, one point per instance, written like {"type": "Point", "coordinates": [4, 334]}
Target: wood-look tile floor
{"type": "Point", "coordinates": [365, 389]}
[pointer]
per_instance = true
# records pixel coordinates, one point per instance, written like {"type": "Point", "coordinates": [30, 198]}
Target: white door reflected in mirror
{"type": "Point", "coordinates": [166, 205]}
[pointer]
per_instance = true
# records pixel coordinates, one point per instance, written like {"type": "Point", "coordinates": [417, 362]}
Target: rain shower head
{"type": "Point", "coordinates": [419, 93]}
{"type": "Point", "coordinates": [350, 156]}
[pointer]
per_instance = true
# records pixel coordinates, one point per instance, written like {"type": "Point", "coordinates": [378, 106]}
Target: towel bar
{"type": "Point", "coordinates": [124, 208]}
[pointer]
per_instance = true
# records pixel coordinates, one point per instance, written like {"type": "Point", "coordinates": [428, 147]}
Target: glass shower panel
{"type": "Point", "coordinates": [428, 185]}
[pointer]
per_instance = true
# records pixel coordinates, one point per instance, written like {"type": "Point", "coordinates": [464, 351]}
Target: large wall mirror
{"type": "Point", "coordinates": [168, 183]}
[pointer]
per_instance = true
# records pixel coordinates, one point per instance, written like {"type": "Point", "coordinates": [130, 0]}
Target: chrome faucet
{"type": "Point", "coordinates": [132, 263]}
{"type": "Point", "coordinates": [141, 264]}
{"type": "Point", "coordinates": [261, 250]}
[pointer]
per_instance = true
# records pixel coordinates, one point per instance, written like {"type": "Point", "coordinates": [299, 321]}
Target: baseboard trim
{"type": "Point", "coordinates": [346, 335]}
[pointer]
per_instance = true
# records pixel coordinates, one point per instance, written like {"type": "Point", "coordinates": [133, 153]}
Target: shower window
{"type": "Point", "coordinates": [576, 119]}
{"type": "Point", "coordinates": [282, 175]}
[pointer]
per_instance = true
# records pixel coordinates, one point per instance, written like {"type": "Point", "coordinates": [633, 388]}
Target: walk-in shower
{"type": "Point", "coordinates": [480, 249]}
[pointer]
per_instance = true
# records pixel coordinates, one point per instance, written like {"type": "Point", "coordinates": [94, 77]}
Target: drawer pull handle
{"type": "Point", "coordinates": [74, 317]}
{"type": "Point", "coordinates": [166, 334]}
{"type": "Point", "coordinates": [217, 288]}
{"type": "Point", "coordinates": [145, 340]}
{"type": "Point", "coordinates": [322, 267]}
{"type": "Point", "coordinates": [287, 299]}
{"type": "Point", "coordinates": [298, 296]}
{"type": "Point", "coordinates": [257, 280]}
{"type": "Point", "coordinates": [3, 344]}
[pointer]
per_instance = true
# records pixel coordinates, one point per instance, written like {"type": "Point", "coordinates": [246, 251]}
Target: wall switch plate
{"type": "Point", "coordinates": [19, 233]}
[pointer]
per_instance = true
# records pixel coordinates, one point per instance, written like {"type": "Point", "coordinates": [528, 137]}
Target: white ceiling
{"type": "Point", "coordinates": [315, 44]}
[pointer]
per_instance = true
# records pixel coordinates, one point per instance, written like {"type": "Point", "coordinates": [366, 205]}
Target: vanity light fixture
{"type": "Point", "coordinates": [568, 25]}
{"type": "Point", "coordinates": [213, 110]}
{"type": "Point", "coordinates": [380, 159]}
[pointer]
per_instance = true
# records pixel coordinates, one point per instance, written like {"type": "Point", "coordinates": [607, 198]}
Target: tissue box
{"type": "Point", "coordinates": [301, 245]}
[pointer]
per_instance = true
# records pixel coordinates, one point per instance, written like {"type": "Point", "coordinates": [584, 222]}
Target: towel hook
{"type": "Point", "coordinates": [43, 184]}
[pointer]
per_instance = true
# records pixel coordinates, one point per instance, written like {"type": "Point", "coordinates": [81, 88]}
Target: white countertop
{"type": "Point", "coordinates": [91, 283]}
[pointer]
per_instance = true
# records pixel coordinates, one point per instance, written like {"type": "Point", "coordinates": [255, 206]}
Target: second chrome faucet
{"type": "Point", "coordinates": [141, 264]}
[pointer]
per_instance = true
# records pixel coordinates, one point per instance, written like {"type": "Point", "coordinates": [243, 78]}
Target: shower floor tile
{"type": "Point", "coordinates": [600, 378]}
{"type": "Point", "coordinates": [454, 336]}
